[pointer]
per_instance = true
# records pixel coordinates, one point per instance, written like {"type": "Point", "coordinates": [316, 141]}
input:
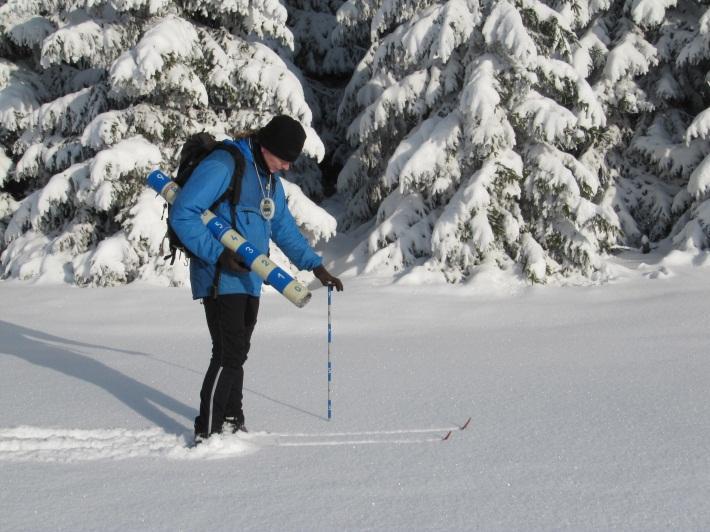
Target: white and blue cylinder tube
{"type": "Point", "coordinates": [295, 291]}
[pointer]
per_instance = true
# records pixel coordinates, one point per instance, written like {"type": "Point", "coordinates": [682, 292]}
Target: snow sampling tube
{"type": "Point", "coordinates": [295, 291]}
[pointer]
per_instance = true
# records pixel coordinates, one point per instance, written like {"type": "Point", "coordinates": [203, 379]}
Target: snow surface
{"type": "Point", "coordinates": [590, 407]}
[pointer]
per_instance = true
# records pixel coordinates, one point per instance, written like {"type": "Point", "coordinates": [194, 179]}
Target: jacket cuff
{"type": "Point", "coordinates": [318, 263]}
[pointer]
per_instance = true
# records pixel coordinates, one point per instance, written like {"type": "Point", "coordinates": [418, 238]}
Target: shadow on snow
{"type": "Point", "coordinates": [60, 354]}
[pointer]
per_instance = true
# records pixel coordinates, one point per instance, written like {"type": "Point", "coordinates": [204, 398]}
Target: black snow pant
{"type": "Point", "coordinates": [231, 319]}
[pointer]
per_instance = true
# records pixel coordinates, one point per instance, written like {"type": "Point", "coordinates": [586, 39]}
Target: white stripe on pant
{"type": "Point", "coordinates": [214, 387]}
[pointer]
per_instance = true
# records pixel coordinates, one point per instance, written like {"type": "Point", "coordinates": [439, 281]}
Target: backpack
{"type": "Point", "coordinates": [195, 149]}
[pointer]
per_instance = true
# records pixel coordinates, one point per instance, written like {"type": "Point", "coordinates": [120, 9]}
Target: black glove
{"type": "Point", "coordinates": [327, 279]}
{"type": "Point", "coordinates": [230, 262]}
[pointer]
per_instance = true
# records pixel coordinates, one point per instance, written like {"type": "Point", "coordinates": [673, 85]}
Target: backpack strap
{"type": "Point", "coordinates": [234, 190]}
{"type": "Point", "coordinates": [232, 194]}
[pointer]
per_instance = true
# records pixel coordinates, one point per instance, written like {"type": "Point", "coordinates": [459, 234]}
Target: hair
{"type": "Point", "coordinates": [244, 133]}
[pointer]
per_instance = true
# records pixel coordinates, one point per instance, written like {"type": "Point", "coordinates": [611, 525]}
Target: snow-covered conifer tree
{"type": "Point", "coordinates": [326, 60]}
{"type": "Point", "coordinates": [318, 51]}
{"type": "Point", "coordinates": [649, 98]}
{"type": "Point", "coordinates": [94, 93]}
{"type": "Point", "coordinates": [474, 137]}
{"type": "Point", "coordinates": [686, 87]}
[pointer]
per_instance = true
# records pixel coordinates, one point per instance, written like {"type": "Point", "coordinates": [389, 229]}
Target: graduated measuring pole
{"type": "Point", "coordinates": [330, 341]}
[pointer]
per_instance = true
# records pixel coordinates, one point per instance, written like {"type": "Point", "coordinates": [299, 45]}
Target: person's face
{"type": "Point", "coordinates": [275, 164]}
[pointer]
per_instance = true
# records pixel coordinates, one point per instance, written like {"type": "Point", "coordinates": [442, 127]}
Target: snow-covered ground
{"type": "Point", "coordinates": [590, 408]}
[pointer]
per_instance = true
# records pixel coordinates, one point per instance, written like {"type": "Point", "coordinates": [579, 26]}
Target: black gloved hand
{"type": "Point", "coordinates": [230, 262]}
{"type": "Point", "coordinates": [327, 279]}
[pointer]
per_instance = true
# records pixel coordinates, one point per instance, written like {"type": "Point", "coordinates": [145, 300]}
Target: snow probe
{"type": "Point", "coordinates": [330, 341]}
{"type": "Point", "coordinates": [295, 291]}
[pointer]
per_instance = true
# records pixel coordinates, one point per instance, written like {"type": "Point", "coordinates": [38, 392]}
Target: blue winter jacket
{"type": "Point", "coordinates": [207, 183]}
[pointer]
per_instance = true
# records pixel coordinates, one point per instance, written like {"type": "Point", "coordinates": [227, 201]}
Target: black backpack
{"type": "Point", "coordinates": [195, 149]}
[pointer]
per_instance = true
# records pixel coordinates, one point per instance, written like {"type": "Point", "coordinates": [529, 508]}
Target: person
{"type": "Point", "coordinates": [229, 291]}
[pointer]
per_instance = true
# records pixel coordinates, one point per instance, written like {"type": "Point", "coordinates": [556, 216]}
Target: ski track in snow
{"type": "Point", "coordinates": [75, 445]}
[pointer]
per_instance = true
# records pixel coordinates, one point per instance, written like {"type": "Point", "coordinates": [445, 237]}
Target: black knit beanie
{"type": "Point", "coordinates": [283, 136]}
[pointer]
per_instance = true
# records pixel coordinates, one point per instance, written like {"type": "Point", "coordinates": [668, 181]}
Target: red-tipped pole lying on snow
{"type": "Point", "coordinates": [461, 427]}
